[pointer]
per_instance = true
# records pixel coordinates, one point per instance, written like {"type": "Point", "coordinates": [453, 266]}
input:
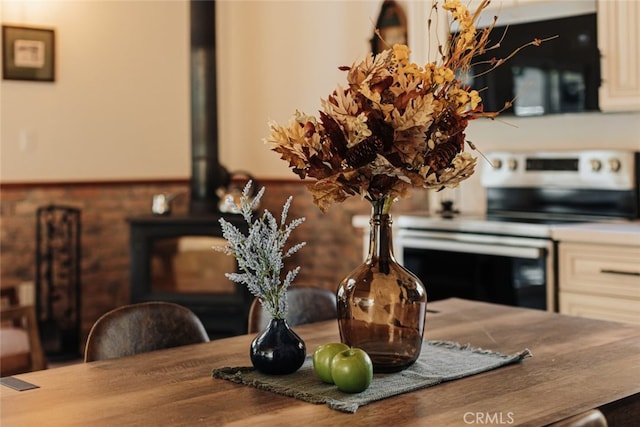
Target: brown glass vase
{"type": "Point", "coordinates": [382, 305]}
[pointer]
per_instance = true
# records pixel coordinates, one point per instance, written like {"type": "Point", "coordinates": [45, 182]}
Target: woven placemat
{"type": "Point", "coordinates": [439, 361]}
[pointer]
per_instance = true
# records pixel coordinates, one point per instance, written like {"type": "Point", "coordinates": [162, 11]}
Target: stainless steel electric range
{"type": "Point", "coordinates": [507, 255]}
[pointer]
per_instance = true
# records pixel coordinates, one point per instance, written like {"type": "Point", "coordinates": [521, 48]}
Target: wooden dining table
{"type": "Point", "coordinates": [577, 364]}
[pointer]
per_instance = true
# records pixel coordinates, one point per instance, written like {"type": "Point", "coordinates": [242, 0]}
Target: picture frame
{"type": "Point", "coordinates": [28, 53]}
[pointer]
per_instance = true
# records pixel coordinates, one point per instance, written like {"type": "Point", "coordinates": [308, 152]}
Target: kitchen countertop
{"type": "Point", "coordinates": [615, 233]}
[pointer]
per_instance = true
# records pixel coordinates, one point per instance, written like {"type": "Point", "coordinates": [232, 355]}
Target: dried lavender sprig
{"type": "Point", "coordinates": [260, 253]}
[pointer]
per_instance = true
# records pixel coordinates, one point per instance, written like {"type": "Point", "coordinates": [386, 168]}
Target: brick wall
{"type": "Point", "coordinates": [333, 248]}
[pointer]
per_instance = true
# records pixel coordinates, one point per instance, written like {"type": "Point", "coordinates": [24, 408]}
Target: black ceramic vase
{"type": "Point", "coordinates": [278, 350]}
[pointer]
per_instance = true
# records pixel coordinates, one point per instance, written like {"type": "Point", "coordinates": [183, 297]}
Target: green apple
{"type": "Point", "coordinates": [352, 370]}
{"type": "Point", "coordinates": [322, 358]}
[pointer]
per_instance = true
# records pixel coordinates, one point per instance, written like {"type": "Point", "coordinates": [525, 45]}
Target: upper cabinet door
{"type": "Point", "coordinates": [619, 44]}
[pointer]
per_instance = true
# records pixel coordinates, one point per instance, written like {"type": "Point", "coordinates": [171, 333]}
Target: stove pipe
{"type": "Point", "coordinates": [207, 175]}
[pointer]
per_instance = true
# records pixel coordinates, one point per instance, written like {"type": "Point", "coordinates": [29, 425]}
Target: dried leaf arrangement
{"type": "Point", "coordinates": [396, 125]}
{"type": "Point", "coordinates": [261, 252]}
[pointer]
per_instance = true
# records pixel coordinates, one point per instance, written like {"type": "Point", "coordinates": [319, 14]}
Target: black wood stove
{"type": "Point", "coordinates": [171, 256]}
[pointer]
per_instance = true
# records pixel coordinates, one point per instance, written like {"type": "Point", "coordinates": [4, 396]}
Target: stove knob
{"type": "Point", "coordinates": [512, 164]}
{"type": "Point", "coordinates": [596, 165]}
{"type": "Point", "coordinates": [496, 163]}
{"type": "Point", "coordinates": [615, 165]}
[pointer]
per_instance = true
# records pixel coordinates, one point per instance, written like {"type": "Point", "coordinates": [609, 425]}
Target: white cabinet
{"type": "Point", "coordinates": [600, 281]}
{"type": "Point", "coordinates": [619, 44]}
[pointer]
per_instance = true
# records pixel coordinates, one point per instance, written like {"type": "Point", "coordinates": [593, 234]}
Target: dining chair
{"type": "Point", "coordinates": [591, 418]}
{"type": "Point", "coordinates": [143, 327]}
{"type": "Point", "coordinates": [306, 305]}
{"type": "Point", "coordinates": [20, 346]}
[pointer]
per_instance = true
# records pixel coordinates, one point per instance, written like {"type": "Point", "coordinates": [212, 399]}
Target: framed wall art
{"type": "Point", "coordinates": [28, 53]}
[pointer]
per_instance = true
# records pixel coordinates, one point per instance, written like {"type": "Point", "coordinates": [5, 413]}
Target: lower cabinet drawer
{"type": "Point", "coordinates": [606, 270]}
{"type": "Point", "coordinates": [600, 307]}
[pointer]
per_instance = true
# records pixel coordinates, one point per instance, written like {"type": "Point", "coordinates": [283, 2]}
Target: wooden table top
{"type": "Point", "coordinates": [577, 364]}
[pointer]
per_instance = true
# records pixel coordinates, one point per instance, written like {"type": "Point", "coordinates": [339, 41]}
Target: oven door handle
{"type": "Point", "coordinates": [473, 248]}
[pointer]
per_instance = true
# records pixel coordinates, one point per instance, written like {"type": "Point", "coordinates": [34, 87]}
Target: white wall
{"type": "Point", "coordinates": [119, 108]}
{"type": "Point", "coordinates": [278, 56]}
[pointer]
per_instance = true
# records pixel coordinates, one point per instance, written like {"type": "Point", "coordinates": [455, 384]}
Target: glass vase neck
{"type": "Point", "coordinates": [381, 206]}
{"type": "Point", "coordinates": [381, 234]}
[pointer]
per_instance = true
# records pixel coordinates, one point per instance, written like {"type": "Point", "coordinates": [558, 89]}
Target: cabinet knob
{"type": "Point", "coordinates": [614, 165]}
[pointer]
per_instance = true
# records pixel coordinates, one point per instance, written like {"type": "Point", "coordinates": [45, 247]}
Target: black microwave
{"type": "Point", "coordinates": [560, 76]}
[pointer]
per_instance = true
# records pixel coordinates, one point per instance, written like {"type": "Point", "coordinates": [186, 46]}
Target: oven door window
{"type": "Point", "coordinates": [491, 278]}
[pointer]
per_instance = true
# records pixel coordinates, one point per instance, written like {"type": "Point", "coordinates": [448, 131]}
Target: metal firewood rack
{"type": "Point", "coordinates": [58, 287]}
